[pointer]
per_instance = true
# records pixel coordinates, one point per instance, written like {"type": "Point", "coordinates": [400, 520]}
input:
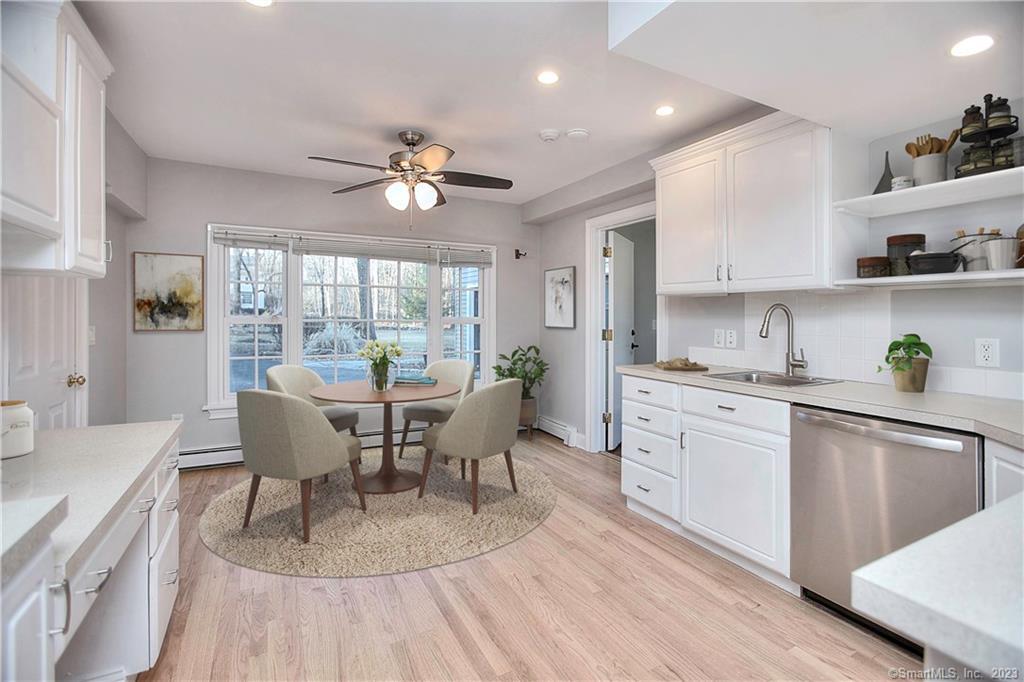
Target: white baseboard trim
{"type": "Point", "coordinates": [228, 455]}
{"type": "Point", "coordinates": [780, 581]}
{"type": "Point", "coordinates": [569, 435]}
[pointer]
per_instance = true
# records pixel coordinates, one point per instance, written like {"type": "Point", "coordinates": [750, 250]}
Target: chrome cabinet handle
{"type": "Point", "coordinates": [174, 577]}
{"type": "Point", "coordinates": [646, 490]}
{"type": "Point", "coordinates": [931, 442]}
{"type": "Point", "coordinates": [729, 271]}
{"type": "Point", "coordinates": [65, 586]}
{"type": "Point", "coordinates": [718, 273]}
{"type": "Point", "coordinates": [171, 464]}
{"type": "Point", "coordinates": [109, 248]}
{"type": "Point", "coordinates": [727, 408]}
{"type": "Point", "coordinates": [644, 391]}
{"type": "Point", "coordinates": [105, 573]}
{"type": "Point", "coordinates": [644, 450]}
{"type": "Point", "coordinates": [682, 434]}
{"type": "Point", "coordinates": [172, 505]}
{"type": "Point", "coordinates": [643, 419]}
{"type": "Point", "coordinates": [147, 505]}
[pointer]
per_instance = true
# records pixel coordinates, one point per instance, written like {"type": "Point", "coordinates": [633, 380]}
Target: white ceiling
{"type": "Point", "coordinates": [868, 69]}
{"type": "Point", "coordinates": [233, 85]}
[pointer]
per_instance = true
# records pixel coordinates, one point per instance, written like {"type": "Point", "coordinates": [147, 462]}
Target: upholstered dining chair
{"type": "Point", "coordinates": [286, 437]}
{"type": "Point", "coordinates": [299, 381]}
{"type": "Point", "coordinates": [458, 372]}
{"type": "Point", "coordinates": [484, 424]}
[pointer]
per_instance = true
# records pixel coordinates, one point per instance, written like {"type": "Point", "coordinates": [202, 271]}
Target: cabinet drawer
{"type": "Point", "coordinates": [163, 589]}
{"type": "Point", "coordinates": [88, 583]}
{"type": "Point", "coordinates": [648, 418]}
{"type": "Point", "coordinates": [661, 393]}
{"type": "Point", "coordinates": [168, 468]}
{"type": "Point", "coordinates": [655, 490]}
{"type": "Point", "coordinates": [745, 410]}
{"type": "Point", "coordinates": [656, 452]}
{"type": "Point", "coordinates": [165, 510]}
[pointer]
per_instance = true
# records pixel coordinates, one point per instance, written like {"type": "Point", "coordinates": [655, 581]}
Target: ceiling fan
{"type": "Point", "coordinates": [417, 174]}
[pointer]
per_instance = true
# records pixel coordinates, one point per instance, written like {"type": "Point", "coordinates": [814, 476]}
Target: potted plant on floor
{"type": "Point", "coordinates": [904, 359]}
{"type": "Point", "coordinates": [524, 364]}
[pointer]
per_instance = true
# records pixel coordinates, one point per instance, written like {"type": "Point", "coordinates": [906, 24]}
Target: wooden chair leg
{"type": "Point", "coordinates": [426, 470]}
{"type": "Point", "coordinates": [305, 491]}
{"type": "Point", "coordinates": [511, 471]}
{"type": "Point", "coordinates": [405, 434]}
{"type": "Point", "coordinates": [463, 468]}
{"type": "Point", "coordinates": [359, 484]}
{"type": "Point", "coordinates": [253, 487]}
{"type": "Point", "coordinates": [529, 430]}
{"type": "Point", "coordinates": [474, 468]}
{"type": "Point", "coordinates": [325, 477]}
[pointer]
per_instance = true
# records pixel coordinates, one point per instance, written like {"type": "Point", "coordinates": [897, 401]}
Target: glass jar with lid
{"type": "Point", "coordinates": [973, 120]}
{"type": "Point", "coordinates": [999, 113]}
{"type": "Point", "coordinates": [1002, 153]}
{"type": "Point", "coordinates": [898, 247]}
{"type": "Point", "coordinates": [980, 155]}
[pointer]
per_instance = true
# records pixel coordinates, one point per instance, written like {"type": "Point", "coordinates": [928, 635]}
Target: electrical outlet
{"type": "Point", "coordinates": [719, 338]}
{"type": "Point", "coordinates": [730, 338]}
{"type": "Point", "coordinates": [177, 417]}
{"type": "Point", "coordinates": [986, 352]}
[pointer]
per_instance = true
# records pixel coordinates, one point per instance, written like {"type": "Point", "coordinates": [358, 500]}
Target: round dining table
{"type": "Point", "coordinates": [389, 478]}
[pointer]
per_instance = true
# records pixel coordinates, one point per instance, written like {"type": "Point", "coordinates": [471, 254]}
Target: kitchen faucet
{"type": "Point", "coordinates": [792, 362]}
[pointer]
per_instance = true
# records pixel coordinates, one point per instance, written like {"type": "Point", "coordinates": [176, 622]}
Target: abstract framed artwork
{"type": "Point", "coordinates": [560, 298]}
{"type": "Point", "coordinates": [167, 292]}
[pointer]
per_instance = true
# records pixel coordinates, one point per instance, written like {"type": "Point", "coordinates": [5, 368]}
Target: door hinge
{"type": "Point", "coordinates": [606, 251]}
{"type": "Point", "coordinates": [606, 418]}
{"type": "Point", "coordinates": [607, 334]}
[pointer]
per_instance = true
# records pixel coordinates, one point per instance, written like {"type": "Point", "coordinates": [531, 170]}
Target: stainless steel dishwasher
{"type": "Point", "coordinates": [864, 487]}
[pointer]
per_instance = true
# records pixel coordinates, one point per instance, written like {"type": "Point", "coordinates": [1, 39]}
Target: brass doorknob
{"type": "Point", "coordinates": [76, 380]}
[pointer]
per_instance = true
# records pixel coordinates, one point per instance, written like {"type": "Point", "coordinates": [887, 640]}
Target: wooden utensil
{"type": "Point", "coordinates": [951, 141]}
{"type": "Point", "coordinates": [937, 145]}
{"type": "Point", "coordinates": [912, 150]}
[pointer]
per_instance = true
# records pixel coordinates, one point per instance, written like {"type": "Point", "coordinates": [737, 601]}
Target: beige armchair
{"type": "Point", "coordinates": [299, 381]}
{"type": "Point", "coordinates": [287, 437]}
{"type": "Point", "coordinates": [485, 423]}
{"type": "Point", "coordinates": [458, 372]}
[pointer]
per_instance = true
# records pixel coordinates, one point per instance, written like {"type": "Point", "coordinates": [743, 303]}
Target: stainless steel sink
{"type": "Point", "coordinates": [772, 379]}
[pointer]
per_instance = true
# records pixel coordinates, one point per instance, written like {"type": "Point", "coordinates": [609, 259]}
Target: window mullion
{"type": "Point", "coordinates": [435, 322]}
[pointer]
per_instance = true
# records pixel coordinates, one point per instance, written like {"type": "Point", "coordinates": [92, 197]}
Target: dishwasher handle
{"type": "Point", "coordinates": [901, 437]}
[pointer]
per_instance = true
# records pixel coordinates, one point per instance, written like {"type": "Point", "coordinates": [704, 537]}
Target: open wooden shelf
{"type": "Point", "coordinates": [949, 279]}
{"type": "Point", "coordinates": [994, 185]}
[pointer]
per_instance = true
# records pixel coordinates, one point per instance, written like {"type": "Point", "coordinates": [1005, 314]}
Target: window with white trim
{"type": "Point", "coordinates": [314, 299]}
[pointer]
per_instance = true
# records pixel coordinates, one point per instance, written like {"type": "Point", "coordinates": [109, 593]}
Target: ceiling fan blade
{"type": "Point", "coordinates": [474, 180]}
{"type": "Point", "coordinates": [432, 158]}
{"type": "Point", "coordinates": [440, 195]}
{"type": "Point", "coordinates": [362, 185]}
{"type": "Point", "coordinates": [348, 163]}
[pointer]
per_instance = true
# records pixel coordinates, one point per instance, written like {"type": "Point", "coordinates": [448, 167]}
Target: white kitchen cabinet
{"type": "Point", "coordinates": [690, 225]}
{"type": "Point", "coordinates": [735, 489]}
{"type": "Point", "coordinates": [28, 651]}
{"type": "Point", "coordinates": [1004, 472]}
{"type": "Point", "coordinates": [746, 210]}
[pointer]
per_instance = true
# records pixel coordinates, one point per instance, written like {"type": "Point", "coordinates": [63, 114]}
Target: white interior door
{"type": "Point", "coordinates": [622, 323]}
{"type": "Point", "coordinates": [44, 344]}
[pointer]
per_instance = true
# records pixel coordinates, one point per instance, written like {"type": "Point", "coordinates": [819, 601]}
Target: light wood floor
{"type": "Point", "coordinates": [595, 592]}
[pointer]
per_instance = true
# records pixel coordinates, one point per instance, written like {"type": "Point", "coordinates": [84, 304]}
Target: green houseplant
{"type": "Point", "coordinates": [907, 359]}
{"type": "Point", "coordinates": [527, 365]}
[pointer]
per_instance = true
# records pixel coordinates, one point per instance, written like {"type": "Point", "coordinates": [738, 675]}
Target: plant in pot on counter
{"type": "Point", "coordinates": [524, 364]}
{"type": "Point", "coordinates": [907, 359]}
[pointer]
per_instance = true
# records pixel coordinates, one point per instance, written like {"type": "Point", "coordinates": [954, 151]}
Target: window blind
{"type": "Point", "coordinates": [251, 240]}
{"type": "Point", "coordinates": [405, 251]}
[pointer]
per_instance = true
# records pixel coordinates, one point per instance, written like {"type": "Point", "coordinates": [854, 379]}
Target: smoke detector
{"type": "Point", "coordinates": [578, 134]}
{"type": "Point", "coordinates": [549, 134]}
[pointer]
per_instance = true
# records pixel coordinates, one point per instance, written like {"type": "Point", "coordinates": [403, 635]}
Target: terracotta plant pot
{"type": "Point", "coordinates": [913, 379]}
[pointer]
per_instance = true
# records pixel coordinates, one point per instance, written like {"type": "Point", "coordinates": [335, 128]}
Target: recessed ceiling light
{"type": "Point", "coordinates": [665, 110]}
{"type": "Point", "coordinates": [972, 45]}
{"type": "Point", "coordinates": [547, 77]}
{"type": "Point", "coordinates": [260, 3]}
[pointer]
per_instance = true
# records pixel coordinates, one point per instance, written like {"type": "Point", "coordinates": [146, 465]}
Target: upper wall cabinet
{"type": "Point", "coordinates": [746, 210]}
{"type": "Point", "coordinates": [53, 168]}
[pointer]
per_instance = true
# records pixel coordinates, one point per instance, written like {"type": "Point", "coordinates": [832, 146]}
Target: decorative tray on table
{"type": "Point", "coordinates": [680, 365]}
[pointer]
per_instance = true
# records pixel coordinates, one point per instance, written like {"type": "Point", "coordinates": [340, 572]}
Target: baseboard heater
{"type": "Point", "coordinates": [229, 455]}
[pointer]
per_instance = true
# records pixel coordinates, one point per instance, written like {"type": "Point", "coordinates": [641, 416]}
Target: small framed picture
{"type": "Point", "coordinates": [167, 292]}
{"type": "Point", "coordinates": [560, 298]}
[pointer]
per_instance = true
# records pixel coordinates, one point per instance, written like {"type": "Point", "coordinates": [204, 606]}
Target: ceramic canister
{"type": "Point", "coordinates": [929, 168]}
{"type": "Point", "coordinates": [973, 252]}
{"type": "Point", "coordinates": [1001, 252]}
{"type": "Point", "coordinates": [18, 433]}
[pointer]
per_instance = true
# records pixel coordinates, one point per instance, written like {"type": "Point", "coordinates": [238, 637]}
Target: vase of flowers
{"type": "Point", "coordinates": [381, 358]}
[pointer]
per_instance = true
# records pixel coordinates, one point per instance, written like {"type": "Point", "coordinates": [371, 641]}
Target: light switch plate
{"type": "Point", "coordinates": [986, 352]}
{"type": "Point", "coordinates": [92, 335]}
{"type": "Point", "coordinates": [730, 338]}
{"type": "Point", "coordinates": [719, 338]}
{"type": "Point", "coordinates": [177, 417]}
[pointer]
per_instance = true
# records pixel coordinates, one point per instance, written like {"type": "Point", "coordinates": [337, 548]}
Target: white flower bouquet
{"type": "Point", "coordinates": [381, 357]}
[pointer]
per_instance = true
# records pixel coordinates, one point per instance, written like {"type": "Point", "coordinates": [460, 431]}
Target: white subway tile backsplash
{"type": "Point", "coordinates": [966, 380]}
{"type": "Point", "coordinates": [851, 348]}
{"type": "Point", "coordinates": [1004, 384]}
{"type": "Point", "coordinates": [851, 370]}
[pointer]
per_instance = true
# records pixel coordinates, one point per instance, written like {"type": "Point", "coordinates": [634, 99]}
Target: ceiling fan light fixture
{"type": "Point", "coordinates": [397, 195]}
{"type": "Point", "coordinates": [426, 196]}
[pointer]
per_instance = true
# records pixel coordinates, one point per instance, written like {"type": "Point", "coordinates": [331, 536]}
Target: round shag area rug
{"type": "Point", "coordinates": [397, 533]}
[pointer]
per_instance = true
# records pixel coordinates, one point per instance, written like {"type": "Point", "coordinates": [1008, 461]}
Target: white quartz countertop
{"type": "Point", "coordinates": [27, 525]}
{"type": "Point", "coordinates": [99, 468]}
{"type": "Point", "coordinates": [960, 590]}
{"type": "Point", "coordinates": [996, 418]}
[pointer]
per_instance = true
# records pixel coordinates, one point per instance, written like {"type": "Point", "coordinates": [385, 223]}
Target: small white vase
{"type": "Point", "coordinates": [18, 437]}
{"type": "Point", "coordinates": [929, 169]}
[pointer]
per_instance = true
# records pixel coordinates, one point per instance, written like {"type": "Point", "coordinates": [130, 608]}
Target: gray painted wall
{"type": "Point", "coordinates": [108, 315]}
{"type": "Point", "coordinates": [645, 300]}
{"type": "Point", "coordinates": [126, 171]}
{"type": "Point", "coordinates": [167, 371]}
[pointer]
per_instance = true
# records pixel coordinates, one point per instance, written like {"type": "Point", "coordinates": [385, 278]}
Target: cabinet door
{"type": "Point", "coordinates": [778, 207]}
{"type": "Point", "coordinates": [735, 490]}
{"type": "Point", "coordinates": [690, 226]}
{"type": "Point", "coordinates": [1004, 472]}
{"type": "Point", "coordinates": [85, 118]}
{"type": "Point", "coordinates": [163, 589]}
{"type": "Point", "coordinates": [27, 643]}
